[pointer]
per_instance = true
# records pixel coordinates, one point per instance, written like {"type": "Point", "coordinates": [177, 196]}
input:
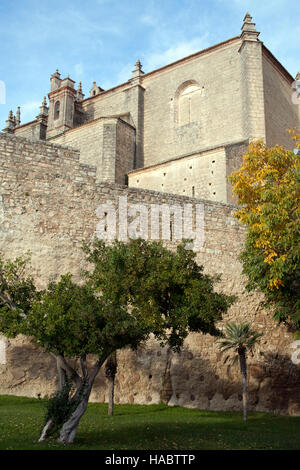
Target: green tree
{"type": "Point", "coordinates": [240, 340]}
{"type": "Point", "coordinates": [167, 288]}
{"type": "Point", "coordinates": [268, 189]}
{"type": "Point", "coordinates": [161, 283]}
{"type": "Point", "coordinates": [133, 290]}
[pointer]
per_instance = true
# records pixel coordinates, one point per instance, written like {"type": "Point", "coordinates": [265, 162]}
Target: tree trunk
{"type": "Point", "coordinates": [69, 428]}
{"type": "Point", "coordinates": [61, 376]}
{"type": "Point", "coordinates": [110, 371]}
{"type": "Point", "coordinates": [46, 430]}
{"type": "Point", "coordinates": [111, 392]}
{"type": "Point", "coordinates": [167, 388]}
{"type": "Point", "coordinates": [243, 368]}
{"type": "Point", "coordinates": [61, 382]}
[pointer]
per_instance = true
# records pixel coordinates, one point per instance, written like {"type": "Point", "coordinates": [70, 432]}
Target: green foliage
{"type": "Point", "coordinates": [268, 188]}
{"type": "Point", "coordinates": [284, 300]}
{"type": "Point", "coordinates": [133, 290]}
{"type": "Point", "coordinates": [61, 405]}
{"type": "Point", "coordinates": [163, 292]}
{"type": "Point", "coordinates": [68, 319]}
{"type": "Point", "coordinates": [17, 294]}
{"type": "Point", "coordinates": [238, 337]}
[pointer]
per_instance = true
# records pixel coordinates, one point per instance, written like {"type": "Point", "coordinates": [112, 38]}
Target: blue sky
{"type": "Point", "coordinates": [102, 39]}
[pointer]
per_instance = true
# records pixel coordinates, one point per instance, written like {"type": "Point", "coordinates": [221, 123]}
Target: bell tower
{"type": "Point", "coordinates": [62, 97]}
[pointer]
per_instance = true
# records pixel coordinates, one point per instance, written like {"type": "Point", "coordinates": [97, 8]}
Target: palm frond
{"type": "Point", "coordinates": [239, 335]}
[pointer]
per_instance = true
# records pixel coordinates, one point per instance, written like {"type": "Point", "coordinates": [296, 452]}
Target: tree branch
{"type": "Point", "coordinates": [7, 300]}
{"type": "Point", "coordinates": [64, 365]}
{"type": "Point", "coordinates": [96, 367]}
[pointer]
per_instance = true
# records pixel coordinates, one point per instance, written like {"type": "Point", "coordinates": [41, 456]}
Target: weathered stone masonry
{"type": "Point", "coordinates": [48, 203]}
{"type": "Point", "coordinates": [171, 129]}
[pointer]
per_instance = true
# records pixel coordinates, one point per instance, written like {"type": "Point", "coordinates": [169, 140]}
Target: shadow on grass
{"type": "Point", "coordinates": [125, 410]}
{"type": "Point", "coordinates": [204, 432]}
{"type": "Point", "coordinates": [150, 427]}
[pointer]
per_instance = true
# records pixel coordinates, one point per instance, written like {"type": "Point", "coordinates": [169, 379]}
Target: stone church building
{"type": "Point", "coordinates": [178, 129]}
{"type": "Point", "coordinates": [170, 136]}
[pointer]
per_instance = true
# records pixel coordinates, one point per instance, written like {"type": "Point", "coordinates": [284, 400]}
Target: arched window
{"type": "Point", "coordinates": [188, 103]}
{"type": "Point", "coordinates": [56, 110]}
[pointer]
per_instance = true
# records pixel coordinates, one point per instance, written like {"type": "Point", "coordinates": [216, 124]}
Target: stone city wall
{"type": "Point", "coordinates": [48, 203]}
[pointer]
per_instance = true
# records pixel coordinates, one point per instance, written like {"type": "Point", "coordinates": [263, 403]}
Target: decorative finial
{"type": "Point", "coordinates": [137, 73]}
{"type": "Point", "coordinates": [18, 116]}
{"type": "Point", "coordinates": [56, 74]}
{"type": "Point", "coordinates": [79, 94]}
{"type": "Point", "coordinates": [248, 29]}
{"type": "Point", "coordinates": [43, 110]}
{"type": "Point", "coordinates": [248, 17]}
{"type": "Point", "coordinates": [10, 123]}
{"type": "Point", "coordinates": [44, 106]}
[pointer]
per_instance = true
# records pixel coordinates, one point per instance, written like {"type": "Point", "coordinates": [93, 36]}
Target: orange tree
{"type": "Point", "coordinates": [132, 291]}
{"type": "Point", "coordinates": [268, 189]}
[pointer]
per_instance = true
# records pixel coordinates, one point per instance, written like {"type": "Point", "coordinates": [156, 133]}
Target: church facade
{"type": "Point", "coordinates": [180, 129]}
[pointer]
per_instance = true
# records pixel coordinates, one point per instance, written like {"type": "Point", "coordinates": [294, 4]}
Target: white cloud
{"type": "Point", "coordinates": [78, 70]}
{"type": "Point", "coordinates": [125, 73]}
{"type": "Point", "coordinates": [30, 110]}
{"type": "Point", "coordinates": [80, 22]}
{"type": "Point", "coordinates": [123, 76]}
{"type": "Point", "coordinates": [176, 52]}
{"type": "Point", "coordinates": [257, 5]}
{"type": "Point", "coordinates": [148, 19]}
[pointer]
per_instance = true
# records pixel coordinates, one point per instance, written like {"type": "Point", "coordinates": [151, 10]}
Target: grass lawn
{"type": "Point", "coordinates": [153, 427]}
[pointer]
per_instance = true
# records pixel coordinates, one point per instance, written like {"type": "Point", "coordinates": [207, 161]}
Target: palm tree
{"type": "Point", "coordinates": [240, 339]}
